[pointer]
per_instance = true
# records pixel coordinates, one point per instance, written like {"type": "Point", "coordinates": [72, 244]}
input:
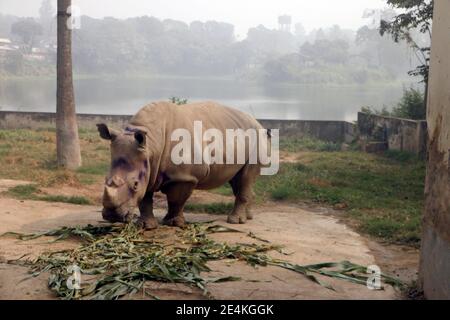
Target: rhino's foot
{"type": "Point", "coordinates": [249, 215]}
{"type": "Point", "coordinates": [235, 219]}
{"type": "Point", "coordinates": [177, 221]}
{"type": "Point", "coordinates": [147, 224]}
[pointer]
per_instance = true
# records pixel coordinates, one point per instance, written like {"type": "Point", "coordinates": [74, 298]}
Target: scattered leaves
{"type": "Point", "coordinates": [116, 260]}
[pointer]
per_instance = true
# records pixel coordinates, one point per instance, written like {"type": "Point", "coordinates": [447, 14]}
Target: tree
{"type": "Point", "coordinates": [322, 50]}
{"type": "Point", "coordinates": [320, 35]}
{"type": "Point", "coordinates": [6, 21]}
{"type": "Point", "coordinates": [416, 15]}
{"type": "Point", "coordinates": [411, 105]}
{"type": "Point", "coordinates": [27, 29]}
{"type": "Point", "coordinates": [67, 144]}
{"type": "Point", "coordinates": [46, 16]}
{"type": "Point", "coordinates": [13, 62]}
{"type": "Point", "coordinates": [299, 31]}
{"type": "Point", "coordinates": [268, 43]}
{"type": "Point", "coordinates": [381, 52]}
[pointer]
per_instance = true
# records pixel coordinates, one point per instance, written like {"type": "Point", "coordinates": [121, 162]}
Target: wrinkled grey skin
{"type": "Point", "coordinates": [128, 177]}
{"type": "Point", "coordinates": [141, 164]}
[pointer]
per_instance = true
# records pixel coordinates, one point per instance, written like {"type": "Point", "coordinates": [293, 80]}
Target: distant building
{"type": "Point", "coordinates": [284, 23]}
{"type": "Point", "coordinates": [36, 54]}
{"type": "Point", "coordinates": [34, 57]}
{"type": "Point", "coordinates": [6, 45]}
{"type": "Point", "coordinates": [5, 41]}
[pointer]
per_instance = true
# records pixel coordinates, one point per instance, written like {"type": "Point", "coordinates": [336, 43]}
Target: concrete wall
{"type": "Point", "coordinates": [392, 133]}
{"type": "Point", "coordinates": [335, 131]}
{"type": "Point", "coordinates": [435, 251]}
{"type": "Point", "coordinates": [39, 120]}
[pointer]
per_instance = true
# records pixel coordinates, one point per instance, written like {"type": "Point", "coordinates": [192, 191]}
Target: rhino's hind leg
{"type": "Point", "coordinates": [242, 184]}
{"type": "Point", "coordinates": [177, 194]}
{"type": "Point", "coordinates": [147, 219]}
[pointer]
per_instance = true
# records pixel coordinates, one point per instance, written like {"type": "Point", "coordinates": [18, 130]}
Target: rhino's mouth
{"type": "Point", "coordinates": [117, 214]}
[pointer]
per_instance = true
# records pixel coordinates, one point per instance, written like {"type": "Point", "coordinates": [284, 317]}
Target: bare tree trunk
{"type": "Point", "coordinates": [67, 144]}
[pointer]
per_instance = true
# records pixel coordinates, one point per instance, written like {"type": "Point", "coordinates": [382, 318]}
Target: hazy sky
{"type": "Point", "coordinates": [242, 13]}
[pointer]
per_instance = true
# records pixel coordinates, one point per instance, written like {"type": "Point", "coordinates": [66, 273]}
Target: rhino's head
{"type": "Point", "coordinates": [128, 177]}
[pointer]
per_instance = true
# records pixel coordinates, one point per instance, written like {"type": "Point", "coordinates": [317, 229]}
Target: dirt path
{"type": "Point", "coordinates": [311, 236]}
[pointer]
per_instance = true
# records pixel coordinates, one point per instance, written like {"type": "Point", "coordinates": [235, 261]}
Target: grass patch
{"type": "Point", "coordinates": [4, 149]}
{"type": "Point", "coordinates": [213, 208]}
{"type": "Point", "coordinates": [383, 193]}
{"type": "Point", "coordinates": [31, 192]}
{"type": "Point", "coordinates": [94, 169]}
{"type": "Point", "coordinates": [23, 192]}
{"type": "Point", "coordinates": [307, 144]}
{"type": "Point", "coordinates": [31, 155]}
{"type": "Point", "coordinates": [401, 156]}
{"type": "Point", "coordinates": [65, 199]}
{"type": "Point", "coordinates": [282, 193]}
{"type": "Point", "coordinates": [224, 190]}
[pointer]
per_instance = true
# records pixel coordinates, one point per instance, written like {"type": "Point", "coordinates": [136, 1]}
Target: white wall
{"type": "Point", "coordinates": [435, 250]}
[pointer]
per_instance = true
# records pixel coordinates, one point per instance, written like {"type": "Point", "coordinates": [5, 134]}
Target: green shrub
{"type": "Point", "coordinates": [383, 112]}
{"type": "Point", "coordinates": [411, 105]}
{"type": "Point", "coordinates": [178, 101]}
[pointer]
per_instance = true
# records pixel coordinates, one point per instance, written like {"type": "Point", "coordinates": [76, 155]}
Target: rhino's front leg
{"type": "Point", "coordinates": [177, 195]}
{"type": "Point", "coordinates": [147, 219]}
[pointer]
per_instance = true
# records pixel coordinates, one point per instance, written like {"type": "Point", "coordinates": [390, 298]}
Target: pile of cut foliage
{"type": "Point", "coordinates": [120, 258]}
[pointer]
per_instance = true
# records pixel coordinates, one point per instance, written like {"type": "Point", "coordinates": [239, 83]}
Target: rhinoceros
{"type": "Point", "coordinates": [142, 164]}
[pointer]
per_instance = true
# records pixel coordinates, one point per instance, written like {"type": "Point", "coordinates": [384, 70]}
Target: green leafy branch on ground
{"type": "Point", "coordinates": [120, 259]}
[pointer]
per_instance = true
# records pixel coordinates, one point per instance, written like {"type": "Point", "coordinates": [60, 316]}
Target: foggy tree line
{"type": "Point", "coordinates": [149, 46]}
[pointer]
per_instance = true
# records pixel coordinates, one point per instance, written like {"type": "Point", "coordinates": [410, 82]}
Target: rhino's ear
{"type": "Point", "coordinates": [141, 138]}
{"type": "Point", "coordinates": [105, 133]}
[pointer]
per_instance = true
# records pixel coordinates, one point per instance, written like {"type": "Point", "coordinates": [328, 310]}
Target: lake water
{"type": "Point", "coordinates": [117, 95]}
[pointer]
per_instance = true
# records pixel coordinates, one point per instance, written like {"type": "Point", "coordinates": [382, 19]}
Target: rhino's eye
{"type": "Point", "coordinates": [135, 185]}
